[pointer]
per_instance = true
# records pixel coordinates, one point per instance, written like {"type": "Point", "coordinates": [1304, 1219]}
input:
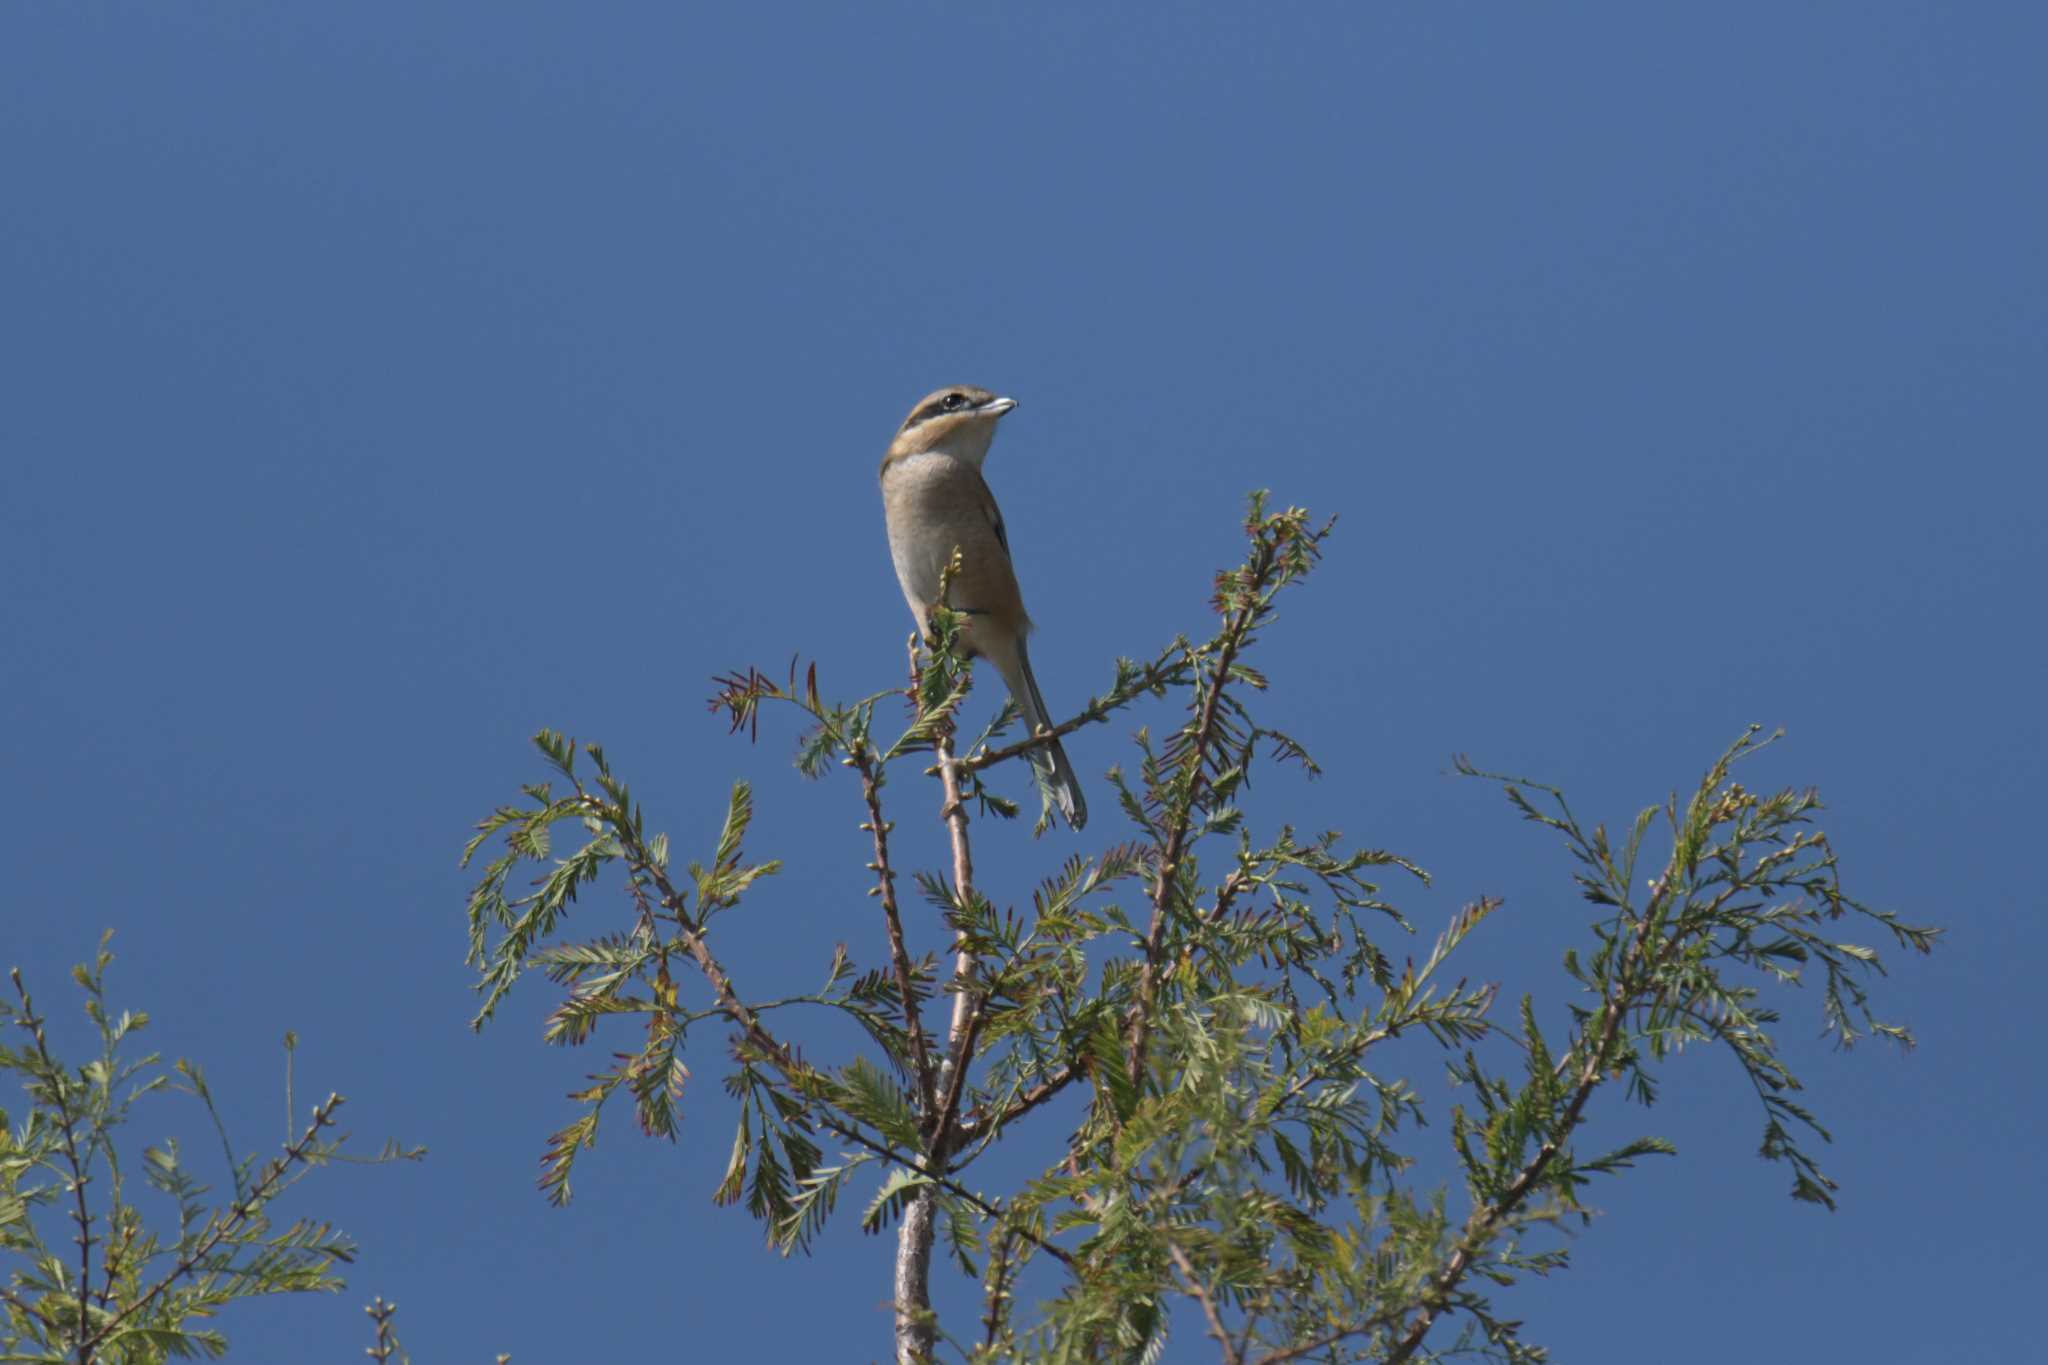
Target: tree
{"type": "Point", "coordinates": [1204, 1002]}
{"type": "Point", "coordinates": [129, 1295]}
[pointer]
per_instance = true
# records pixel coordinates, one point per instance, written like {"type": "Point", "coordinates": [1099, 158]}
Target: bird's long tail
{"type": "Point", "coordinates": [1049, 759]}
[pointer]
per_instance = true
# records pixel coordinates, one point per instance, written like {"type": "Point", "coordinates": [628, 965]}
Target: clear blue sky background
{"type": "Point", "coordinates": [382, 383]}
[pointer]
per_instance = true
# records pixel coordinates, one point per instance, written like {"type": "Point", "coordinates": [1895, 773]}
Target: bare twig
{"type": "Point", "coordinates": [380, 1313]}
{"type": "Point", "coordinates": [1193, 1284]}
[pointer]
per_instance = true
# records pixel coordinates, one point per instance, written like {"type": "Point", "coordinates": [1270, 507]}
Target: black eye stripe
{"type": "Point", "coordinates": [938, 407]}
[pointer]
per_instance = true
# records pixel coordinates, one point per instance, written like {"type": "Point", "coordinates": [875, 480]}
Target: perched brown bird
{"type": "Point", "coordinates": [937, 501]}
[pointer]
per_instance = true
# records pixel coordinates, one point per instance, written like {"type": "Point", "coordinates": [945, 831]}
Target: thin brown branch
{"type": "Point", "coordinates": [988, 758]}
{"type": "Point", "coordinates": [1155, 674]}
{"type": "Point", "coordinates": [28, 1309]}
{"type": "Point", "coordinates": [1236, 626]}
{"type": "Point", "coordinates": [1244, 1333]}
{"type": "Point", "coordinates": [945, 1129]}
{"type": "Point", "coordinates": [267, 1187]}
{"type": "Point", "coordinates": [1308, 1348]}
{"type": "Point", "coordinates": [1193, 1284]}
{"type": "Point", "coordinates": [892, 918]}
{"type": "Point", "coordinates": [948, 1184]}
{"type": "Point", "coordinates": [1037, 1095]}
{"type": "Point", "coordinates": [380, 1312]}
{"type": "Point", "coordinates": [1227, 893]}
{"type": "Point", "coordinates": [1480, 1226]}
{"type": "Point", "coordinates": [961, 1034]}
{"type": "Point", "coordinates": [692, 935]}
{"type": "Point", "coordinates": [120, 1238]}
{"type": "Point", "coordinates": [1001, 1272]}
{"type": "Point", "coordinates": [59, 1084]}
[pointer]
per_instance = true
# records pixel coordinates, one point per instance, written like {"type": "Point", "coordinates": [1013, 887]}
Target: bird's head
{"type": "Point", "coordinates": [958, 421]}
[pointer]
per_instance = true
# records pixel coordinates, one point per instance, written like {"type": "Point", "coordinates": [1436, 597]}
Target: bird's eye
{"type": "Point", "coordinates": [954, 401]}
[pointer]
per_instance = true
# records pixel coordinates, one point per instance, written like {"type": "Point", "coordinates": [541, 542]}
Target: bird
{"type": "Point", "coordinates": [936, 501]}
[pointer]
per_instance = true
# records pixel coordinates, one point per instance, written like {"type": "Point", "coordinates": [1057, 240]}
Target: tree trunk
{"type": "Point", "coordinates": [916, 1328]}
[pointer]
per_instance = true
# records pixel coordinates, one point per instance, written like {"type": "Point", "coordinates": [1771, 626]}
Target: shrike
{"type": "Point", "coordinates": [936, 501]}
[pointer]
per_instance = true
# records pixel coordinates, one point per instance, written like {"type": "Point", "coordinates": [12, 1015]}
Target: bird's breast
{"type": "Point", "coordinates": [917, 499]}
{"type": "Point", "coordinates": [936, 504]}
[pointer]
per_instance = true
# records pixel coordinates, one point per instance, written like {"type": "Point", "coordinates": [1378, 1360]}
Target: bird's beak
{"type": "Point", "coordinates": [996, 407]}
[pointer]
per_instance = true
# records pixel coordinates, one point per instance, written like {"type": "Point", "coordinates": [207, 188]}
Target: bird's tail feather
{"type": "Point", "coordinates": [1049, 759]}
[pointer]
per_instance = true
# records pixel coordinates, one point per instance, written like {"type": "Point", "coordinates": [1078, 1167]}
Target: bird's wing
{"type": "Point", "coordinates": [992, 512]}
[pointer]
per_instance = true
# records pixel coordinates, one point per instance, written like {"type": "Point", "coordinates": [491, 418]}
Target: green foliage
{"type": "Point", "coordinates": [1743, 899]}
{"type": "Point", "coordinates": [122, 1291]}
{"type": "Point", "coordinates": [1204, 1005]}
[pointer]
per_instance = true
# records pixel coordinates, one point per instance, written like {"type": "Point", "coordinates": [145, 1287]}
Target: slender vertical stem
{"type": "Point", "coordinates": [965, 1029]}
{"type": "Point", "coordinates": [955, 813]}
{"type": "Point", "coordinates": [380, 1312]}
{"type": "Point", "coordinates": [916, 1329]}
{"type": "Point", "coordinates": [1203, 734]}
{"type": "Point", "coordinates": [892, 919]}
{"type": "Point", "coordinates": [60, 1083]}
{"type": "Point", "coordinates": [1000, 1272]}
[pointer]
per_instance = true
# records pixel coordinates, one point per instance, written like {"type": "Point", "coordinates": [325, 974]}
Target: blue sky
{"type": "Point", "coordinates": [386, 382]}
